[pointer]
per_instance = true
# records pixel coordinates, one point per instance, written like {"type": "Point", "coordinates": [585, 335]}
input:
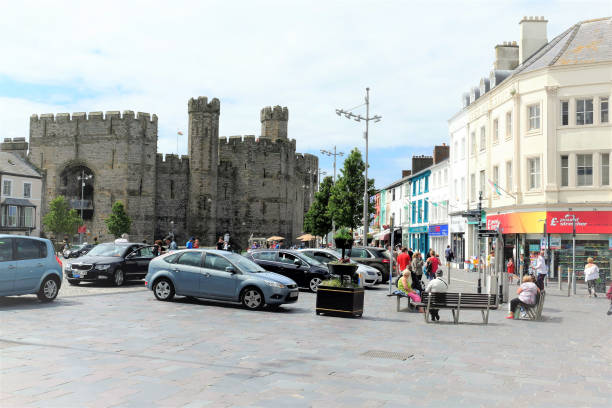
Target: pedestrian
{"type": "Point", "coordinates": [609, 296]}
{"type": "Point", "coordinates": [196, 243]}
{"type": "Point", "coordinates": [521, 266]}
{"type": "Point", "coordinates": [95, 241]}
{"type": "Point", "coordinates": [158, 248]}
{"type": "Point", "coordinates": [591, 274]}
{"type": "Point", "coordinates": [403, 260]}
{"type": "Point", "coordinates": [189, 244]}
{"type": "Point", "coordinates": [432, 265]}
{"type": "Point", "coordinates": [416, 270]}
{"type": "Point", "coordinates": [527, 293]}
{"type": "Point", "coordinates": [437, 285]}
{"type": "Point", "coordinates": [449, 255]}
{"type": "Point", "coordinates": [171, 243]}
{"type": "Point", "coordinates": [405, 289]}
{"type": "Point", "coordinates": [220, 243]}
{"type": "Point", "coordinates": [410, 252]}
{"type": "Point", "coordinates": [541, 270]}
{"type": "Point", "coordinates": [510, 269]}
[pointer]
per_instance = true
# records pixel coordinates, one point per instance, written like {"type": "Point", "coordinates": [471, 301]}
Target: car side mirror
{"type": "Point", "coordinates": [230, 269]}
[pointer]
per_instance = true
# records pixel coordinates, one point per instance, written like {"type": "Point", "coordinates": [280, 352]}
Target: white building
{"type": "Point", "coordinates": [439, 202]}
{"type": "Point", "coordinates": [539, 140]}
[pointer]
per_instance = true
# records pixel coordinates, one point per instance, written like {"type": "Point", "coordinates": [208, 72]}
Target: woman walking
{"type": "Point", "coordinates": [591, 274]}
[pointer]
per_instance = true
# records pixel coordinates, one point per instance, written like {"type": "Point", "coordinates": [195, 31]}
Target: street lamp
{"type": "Point", "coordinates": [334, 154]}
{"type": "Point", "coordinates": [376, 118]}
{"type": "Point", "coordinates": [83, 178]}
{"type": "Point", "coordinates": [321, 171]}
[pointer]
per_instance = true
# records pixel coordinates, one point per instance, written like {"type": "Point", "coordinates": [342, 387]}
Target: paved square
{"type": "Point", "coordinates": [124, 348]}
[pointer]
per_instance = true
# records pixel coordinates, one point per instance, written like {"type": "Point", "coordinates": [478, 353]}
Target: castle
{"type": "Point", "coordinates": [244, 186]}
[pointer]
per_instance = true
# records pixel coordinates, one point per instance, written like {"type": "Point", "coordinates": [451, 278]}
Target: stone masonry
{"type": "Point", "coordinates": [242, 185]}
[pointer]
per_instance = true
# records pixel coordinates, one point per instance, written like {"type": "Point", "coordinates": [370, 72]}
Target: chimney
{"type": "Point", "coordinates": [533, 36]}
{"type": "Point", "coordinates": [506, 56]}
{"type": "Point", "coordinates": [406, 173]}
{"type": "Point", "coordinates": [421, 162]}
{"type": "Point", "coordinates": [441, 153]}
{"type": "Point", "coordinates": [17, 145]}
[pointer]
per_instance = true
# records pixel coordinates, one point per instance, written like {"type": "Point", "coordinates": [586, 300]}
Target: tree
{"type": "Point", "coordinates": [317, 220]}
{"type": "Point", "coordinates": [118, 222]}
{"type": "Point", "coordinates": [61, 220]}
{"type": "Point", "coordinates": [346, 200]}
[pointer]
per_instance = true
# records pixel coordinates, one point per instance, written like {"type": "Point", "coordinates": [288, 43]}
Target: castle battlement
{"type": "Point", "coordinates": [201, 104]}
{"type": "Point", "coordinates": [274, 113]}
{"type": "Point", "coordinates": [253, 140]}
{"type": "Point", "coordinates": [93, 116]}
{"type": "Point", "coordinates": [172, 162]}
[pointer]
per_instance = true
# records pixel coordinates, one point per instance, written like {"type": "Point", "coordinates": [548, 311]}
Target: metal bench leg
{"type": "Point", "coordinates": [482, 312]}
{"type": "Point", "coordinates": [454, 317]}
{"type": "Point", "coordinates": [458, 309]}
{"type": "Point", "coordinates": [427, 309]}
{"type": "Point", "coordinates": [398, 303]}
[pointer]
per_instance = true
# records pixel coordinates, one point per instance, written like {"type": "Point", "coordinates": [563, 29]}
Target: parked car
{"type": "Point", "coordinates": [218, 275]}
{"type": "Point", "coordinates": [77, 250]}
{"type": "Point", "coordinates": [111, 262]}
{"type": "Point", "coordinates": [378, 258]}
{"type": "Point", "coordinates": [307, 272]}
{"type": "Point", "coordinates": [29, 265]}
{"type": "Point", "coordinates": [371, 275]}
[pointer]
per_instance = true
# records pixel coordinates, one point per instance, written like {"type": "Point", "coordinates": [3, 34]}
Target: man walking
{"type": "Point", "coordinates": [541, 270]}
{"type": "Point", "coordinates": [403, 260]}
{"type": "Point", "coordinates": [448, 253]}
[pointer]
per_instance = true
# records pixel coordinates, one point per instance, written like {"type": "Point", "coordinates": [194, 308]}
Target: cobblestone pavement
{"type": "Point", "coordinates": [128, 349]}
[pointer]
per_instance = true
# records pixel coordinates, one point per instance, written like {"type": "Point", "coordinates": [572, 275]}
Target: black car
{"type": "Point", "coordinates": [306, 272]}
{"type": "Point", "coordinates": [111, 262]}
{"type": "Point", "coordinates": [77, 250]}
{"type": "Point", "coordinates": [378, 258]}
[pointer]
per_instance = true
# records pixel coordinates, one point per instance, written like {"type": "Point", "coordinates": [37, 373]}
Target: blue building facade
{"type": "Point", "coordinates": [418, 230]}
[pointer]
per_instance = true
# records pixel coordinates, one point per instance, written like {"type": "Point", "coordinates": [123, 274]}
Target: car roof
{"type": "Point", "coordinates": [23, 236]}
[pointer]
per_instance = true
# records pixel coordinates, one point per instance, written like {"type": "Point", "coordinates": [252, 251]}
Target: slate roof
{"type": "Point", "coordinates": [14, 164]}
{"type": "Point", "coordinates": [585, 42]}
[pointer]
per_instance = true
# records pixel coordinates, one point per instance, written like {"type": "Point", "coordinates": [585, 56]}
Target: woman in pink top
{"type": "Point", "coordinates": [527, 293]}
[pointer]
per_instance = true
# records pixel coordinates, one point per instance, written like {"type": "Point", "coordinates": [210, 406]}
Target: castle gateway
{"type": "Point", "coordinates": [238, 185]}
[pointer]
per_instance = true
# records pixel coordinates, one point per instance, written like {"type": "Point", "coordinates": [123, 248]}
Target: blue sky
{"type": "Point", "coordinates": [416, 56]}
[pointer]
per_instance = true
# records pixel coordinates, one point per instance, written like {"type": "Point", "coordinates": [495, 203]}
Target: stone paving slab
{"type": "Point", "coordinates": [127, 349]}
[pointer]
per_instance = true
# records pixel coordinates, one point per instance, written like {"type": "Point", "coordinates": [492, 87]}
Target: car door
{"type": "Point", "coordinates": [30, 263]}
{"type": "Point", "coordinates": [130, 262]}
{"type": "Point", "coordinates": [266, 259]}
{"type": "Point", "coordinates": [187, 270]}
{"type": "Point", "coordinates": [215, 281]}
{"type": "Point", "coordinates": [288, 268]}
{"type": "Point", "coordinates": [7, 266]}
{"type": "Point", "coordinates": [141, 259]}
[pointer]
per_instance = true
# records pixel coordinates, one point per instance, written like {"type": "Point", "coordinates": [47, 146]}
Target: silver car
{"type": "Point", "coordinates": [371, 275]}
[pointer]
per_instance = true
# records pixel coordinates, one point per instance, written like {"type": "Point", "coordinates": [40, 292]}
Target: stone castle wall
{"type": "Point", "coordinates": [172, 195]}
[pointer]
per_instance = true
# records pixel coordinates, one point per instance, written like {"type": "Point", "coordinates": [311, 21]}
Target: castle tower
{"type": "Point", "coordinates": [204, 158]}
{"type": "Point", "coordinates": [274, 122]}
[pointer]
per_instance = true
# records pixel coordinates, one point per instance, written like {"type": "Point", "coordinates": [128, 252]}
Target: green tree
{"type": "Point", "coordinates": [346, 200]}
{"type": "Point", "coordinates": [61, 220]}
{"type": "Point", "coordinates": [317, 220]}
{"type": "Point", "coordinates": [118, 222]}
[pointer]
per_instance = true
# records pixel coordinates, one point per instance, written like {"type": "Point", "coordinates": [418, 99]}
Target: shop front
{"type": "Point", "coordinates": [419, 240]}
{"type": "Point", "coordinates": [438, 236]}
{"type": "Point", "coordinates": [457, 240]}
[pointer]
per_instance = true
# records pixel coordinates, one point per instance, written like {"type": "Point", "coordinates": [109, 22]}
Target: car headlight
{"type": "Point", "coordinates": [103, 267]}
{"type": "Point", "coordinates": [274, 284]}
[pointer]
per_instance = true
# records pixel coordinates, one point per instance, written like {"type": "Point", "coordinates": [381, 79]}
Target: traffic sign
{"type": "Point", "coordinates": [487, 233]}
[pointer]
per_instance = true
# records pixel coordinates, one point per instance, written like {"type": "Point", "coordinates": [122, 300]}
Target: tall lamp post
{"type": "Point", "coordinates": [320, 172]}
{"type": "Point", "coordinates": [376, 118]}
{"type": "Point", "coordinates": [83, 178]}
{"type": "Point", "coordinates": [334, 154]}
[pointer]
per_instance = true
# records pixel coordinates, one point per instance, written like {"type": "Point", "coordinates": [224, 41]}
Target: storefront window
{"type": "Point", "coordinates": [597, 249]}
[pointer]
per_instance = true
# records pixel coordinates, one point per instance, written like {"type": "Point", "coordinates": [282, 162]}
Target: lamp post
{"type": "Point", "coordinates": [321, 171]}
{"type": "Point", "coordinates": [335, 154]}
{"type": "Point", "coordinates": [376, 118]}
{"type": "Point", "coordinates": [83, 178]}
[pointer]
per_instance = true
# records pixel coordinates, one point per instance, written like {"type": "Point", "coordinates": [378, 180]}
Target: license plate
{"type": "Point", "coordinates": [76, 275]}
{"type": "Point", "coordinates": [293, 294]}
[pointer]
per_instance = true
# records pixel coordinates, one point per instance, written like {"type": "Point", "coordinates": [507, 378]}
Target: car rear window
{"type": "Point", "coordinates": [380, 253]}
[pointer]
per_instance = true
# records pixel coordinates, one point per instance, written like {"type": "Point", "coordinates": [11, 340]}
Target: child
{"type": "Point", "coordinates": [510, 268]}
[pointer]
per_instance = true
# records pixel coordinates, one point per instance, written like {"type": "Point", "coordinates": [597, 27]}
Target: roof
{"type": "Point", "coordinates": [15, 164]}
{"type": "Point", "coordinates": [585, 42]}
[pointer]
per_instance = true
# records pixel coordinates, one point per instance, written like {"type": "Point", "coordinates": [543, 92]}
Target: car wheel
{"type": "Point", "coordinates": [384, 273]}
{"type": "Point", "coordinates": [49, 289]}
{"type": "Point", "coordinates": [118, 278]}
{"type": "Point", "coordinates": [252, 298]}
{"type": "Point", "coordinates": [314, 283]}
{"type": "Point", "coordinates": [163, 290]}
{"type": "Point", "coordinates": [74, 282]}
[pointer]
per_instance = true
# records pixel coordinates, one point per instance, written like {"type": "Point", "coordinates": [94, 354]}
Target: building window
{"type": "Point", "coordinates": [584, 169]}
{"type": "Point", "coordinates": [473, 136]}
{"type": "Point", "coordinates": [533, 166]}
{"type": "Point", "coordinates": [462, 188]}
{"type": "Point", "coordinates": [445, 181]}
{"type": "Point", "coordinates": [11, 216]}
{"type": "Point", "coordinates": [564, 113]}
{"type": "Point", "coordinates": [172, 189]}
{"type": "Point", "coordinates": [27, 217]}
{"type": "Point", "coordinates": [584, 111]}
{"type": "Point", "coordinates": [603, 108]}
{"type": "Point", "coordinates": [413, 211]}
{"type": "Point", "coordinates": [482, 182]}
{"type": "Point", "coordinates": [508, 125]}
{"type": "Point", "coordinates": [425, 210]}
{"type": "Point", "coordinates": [392, 193]}
{"type": "Point", "coordinates": [605, 169]}
{"type": "Point", "coordinates": [420, 215]}
{"type": "Point", "coordinates": [496, 174]}
{"type": "Point", "coordinates": [455, 189]}
{"type": "Point", "coordinates": [509, 175]}
{"type": "Point", "coordinates": [564, 171]}
{"type": "Point", "coordinates": [7, 187]}
{"type": "Point", "coordinates": [483, 139]}
{"type": "Point", "coordinates": [27, 190]}
{"type": "Point", "coordinates": [455, 153]}
{"type": "Point", "coordinates": [534, 116]}
{"type": "Point", "coordinates": [472, 187]}
{"type": "Point", "coordinates": [495, 131]}
{"type": "Point", "coordinates": [426, 184]}
{"type": "Point", "coordinates": [463, 148]}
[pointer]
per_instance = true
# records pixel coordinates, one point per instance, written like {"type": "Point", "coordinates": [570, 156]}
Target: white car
{"type": "Point", "coordinates": [371, 275]}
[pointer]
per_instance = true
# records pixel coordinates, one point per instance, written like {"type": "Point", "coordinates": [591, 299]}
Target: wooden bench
{"type": "Point", "coordinates": [532, 312]}
{"type": "Point", "coordinates": [458, 302]}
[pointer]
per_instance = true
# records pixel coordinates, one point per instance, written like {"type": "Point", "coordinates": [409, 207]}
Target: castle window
{"type": "Point", "coordinates": [265, 173]}
{"type": "Point", "coordinates": [140, 187]}
{"type": "Point", "coordinates": [172, 189]}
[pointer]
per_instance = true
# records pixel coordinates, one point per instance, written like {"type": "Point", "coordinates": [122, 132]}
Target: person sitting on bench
{"type": "Point", "coordinates": [437, 285]}
{"type": "Point", "coordinates": [527, 294]}
{"type": "Point", "coordinates": [405, 289]}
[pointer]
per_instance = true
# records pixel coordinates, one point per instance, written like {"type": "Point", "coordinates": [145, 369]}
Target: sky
{"type": "Point", "coordinates": [417, 58]}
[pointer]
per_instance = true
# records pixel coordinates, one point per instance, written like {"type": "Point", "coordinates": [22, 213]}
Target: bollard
{"type": "Point", "coordinates": [569, 281]}
{"type": "Point", "coordinates": [559, 276]}
{"type": "Point", "coordinates": [574, 281]}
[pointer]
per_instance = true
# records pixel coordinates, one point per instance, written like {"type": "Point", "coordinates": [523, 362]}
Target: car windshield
{"type": "Point", "coordinates": [108, 250]}
{"type": "Point", "coordinates": [244, 264]}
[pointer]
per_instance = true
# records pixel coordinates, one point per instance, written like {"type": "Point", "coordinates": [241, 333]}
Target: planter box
{"type": "Point", "coordinates": [338, 301]}
{"type": "Point", "coordinates": [342, 269]}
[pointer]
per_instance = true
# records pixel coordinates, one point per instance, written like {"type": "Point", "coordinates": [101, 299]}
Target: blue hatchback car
{"type": "Point", "coordinates": [29, 265]}
{"type": "Point", "coordinates": [218, 275]}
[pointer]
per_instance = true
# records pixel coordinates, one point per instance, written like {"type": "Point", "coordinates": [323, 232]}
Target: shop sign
{"type": "Point", "coordinates": [438, 230]}
{"type": "Point", "coordinates": [534, 248]}
{"type": "Point", "coordinates": [555, 242]}
{"type": "Point", "coordinates": [517, 223]}
{"type": "Point", "coordinates": [587, 222]}
{"type": "Point", "coordinates": [418, 230]}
